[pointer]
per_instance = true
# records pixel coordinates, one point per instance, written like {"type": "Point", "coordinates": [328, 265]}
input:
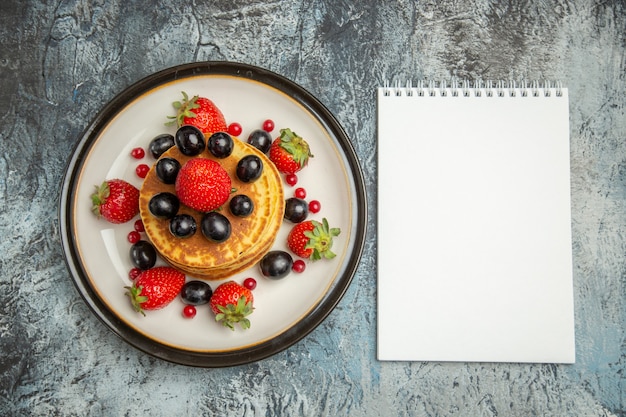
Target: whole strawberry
{"type": "Point", "coordinates": [312, 239]}
{"type": "Point", "coordinates": [199, 112]}
{"type": "Point", "coordinates": [116, 201]}
{"type": "Point", "coordinates": [203, 184]}
{"type": "Point", "coordinates": [289, 152]}
{"type": "Point", "coordinates": [155, 288]}
{"type": "Point", "coordinates": [232, 303]}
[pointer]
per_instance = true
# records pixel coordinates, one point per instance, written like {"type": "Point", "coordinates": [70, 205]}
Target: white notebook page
{"type": "Point", "coordinates": [474, 228]}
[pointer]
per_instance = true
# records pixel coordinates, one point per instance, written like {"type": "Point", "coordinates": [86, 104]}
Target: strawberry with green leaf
{"type": "Point", "coordinates": [289, 152]}
{"type": "Point", "coordinates": [312, 239]}
{"type": "Point", "coordinates": [155, 288]}
{"type": "Point", "coordinates": [116, 201]}
{"type": "Point", "coordinates": [199, 112]}
{"type": "Point", "coordinates": [232, 303]}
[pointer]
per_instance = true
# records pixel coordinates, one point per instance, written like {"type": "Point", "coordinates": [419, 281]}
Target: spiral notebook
{"type": "Point", "coordinates": [474, 223]}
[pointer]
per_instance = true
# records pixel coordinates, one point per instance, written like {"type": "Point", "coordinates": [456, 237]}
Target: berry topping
{"type": "Point", "coordinates": [315, 206]}
{"type": "Point", "coordinates": [137, 153]}
{"type": "Point", "coordinates": [232, 303]}
{"type": "Point", "coordinates": [235, 129]}
{"type": "Point", "coordinates": [290, 153]}
{"type": "Point", "coordinates": [164, 205]}
{"type": "Point", "coordinates": [300, 193]}
{"type": "Point", "coordinates": [220, 144]}
{"type": "Point", "coordinates": [134, 236]}
{"type": "Point", "coordinates": [249, 168]}
{"type": "Point", "coordinates": [167, 170]}
{"type": "Point", "coordinates": [143, 255]}
{"type": "Point", "coordinates": [298, 266]}
{"type": "Point", "coordinates": [138, 226]}
{"type": "Point", "coordinates": [189, 312]}
{"type": "Point", "coordinates": [268, 125]}
{"type": "Point", "coordinates": [160, 144]}
{"type": "Point", "coordinates": [215, 227]}
{"type": "Point", "coordinates": [249, 283]}
{"type": "Point", "coordinates": [199, 112]}
{"type": "Point", "coordinates": [142, 170]}
{"type": "Point", "coordinates": [241, 205]}
{"type": "Point", "coordinates": [155, 288]}
{"type": "Point", "coordinates": [189, 140]}
{"type": "Point", "coordinates": [312, 239]}
{"type": "Point", "coordinates": [276, 264]}
{"type": "Point", "coordinates": [196, 293]}
{"type": "Point", "coordinates": [291, 179]}
{"type": "Point", "coordinates": [261, 140]}
{"type": "Point", "coordinates": [183, 225]}
{"type": "Point", "coordinates": [116, 201]}
{"type": "Point", "coordinates": [203, 185]}
{"type": "Point", "coordinates": [296, 210]}
{"type": "Point", "coordinates": [134, 273]}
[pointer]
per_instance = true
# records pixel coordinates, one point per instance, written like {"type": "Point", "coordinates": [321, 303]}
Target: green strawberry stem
{"type": "Point", "coordinates": [99, 197]}
{"type": "Point", "coordinates": [297, 147]}
{"type": "Point", "coordinates": [136, 299]}
{"type": "Point", "coordinates": [321, 240]}
{"type": "Point", "coordinates": [231, 314]}
{"type": "Point", "coordinates": [183, 110]}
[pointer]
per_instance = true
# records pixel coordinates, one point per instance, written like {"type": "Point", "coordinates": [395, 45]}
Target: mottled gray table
{"type": "Point", "coordinates": [61, 61]}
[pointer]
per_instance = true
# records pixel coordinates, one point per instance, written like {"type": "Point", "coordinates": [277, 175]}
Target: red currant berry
{"type": "Point", "coordinates": [249, 283]}
{"type": "Point", "coordinates": [314, 206]}
{"type": "Point", "coordinates": [300, 193]}
{"type": "Point", "coordinates": [139, 226]}
{"type": "Point", "coordinates": [134, 237]}
{"type": "Point", "coordinates": [268, 125]}
{"type": "Point", "coordinates": [142, 170]}
{"type": "Point", "coordinates": [298, 266]}
{"type": "Point", "coordinates": [189, 311]}
{"type": "Point", "coordinates": [291, 179]}
{"type": "Point", "coordinates": [234, 129]}
{"type": "Point", "coordinates": [134, 273]}
{"type": "Point", "coordinates": [138, 153]}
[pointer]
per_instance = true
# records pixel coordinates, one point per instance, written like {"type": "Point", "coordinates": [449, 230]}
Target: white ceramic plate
{"type": "Point", "coordinates": [97, 252]}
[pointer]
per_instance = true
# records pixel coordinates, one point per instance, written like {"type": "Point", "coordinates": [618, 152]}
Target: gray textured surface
{"type": "Point", "coordinates": [61, 61]}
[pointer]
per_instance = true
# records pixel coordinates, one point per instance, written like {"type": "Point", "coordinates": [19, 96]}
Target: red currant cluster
{"type": "Point", "coordinates": [235, 129]}
{"type": "Point", "coordinates": [133, 237]}
{"type": "Point", "coordinates": [142, 169]}
{"type": "Point", "coordinates": [314, 205]}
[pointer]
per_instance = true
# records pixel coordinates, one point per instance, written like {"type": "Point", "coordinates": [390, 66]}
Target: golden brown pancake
{"type": "Point", "coordinates": [251, 237]}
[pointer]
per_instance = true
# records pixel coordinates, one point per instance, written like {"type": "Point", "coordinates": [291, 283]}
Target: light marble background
{"type": "Point", "coordinates": [61, 61]}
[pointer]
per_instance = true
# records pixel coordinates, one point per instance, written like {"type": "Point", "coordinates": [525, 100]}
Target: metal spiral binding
{"type": "Point", "coordinates": [476, 88]}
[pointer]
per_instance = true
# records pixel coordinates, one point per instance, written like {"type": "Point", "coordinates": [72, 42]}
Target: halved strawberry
{"type": "Point", "coordinates": [289, 152]}
{"type": "Point", "coordinates": [199, 112]}
{"type": "Point", "coordinates": [312, 239]}
{"type": "Point", "coordinates": [116, 200]}
{"type": "Point", "coordinates": [232, 303]}
{"type": "Point", "coordinates": [203, 184]}
{"type": "Point", "coordinates": [155, 288]}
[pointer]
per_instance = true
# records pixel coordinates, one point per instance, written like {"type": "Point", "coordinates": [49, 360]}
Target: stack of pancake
{"type": "Point", "coordinates": [251, 237]}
